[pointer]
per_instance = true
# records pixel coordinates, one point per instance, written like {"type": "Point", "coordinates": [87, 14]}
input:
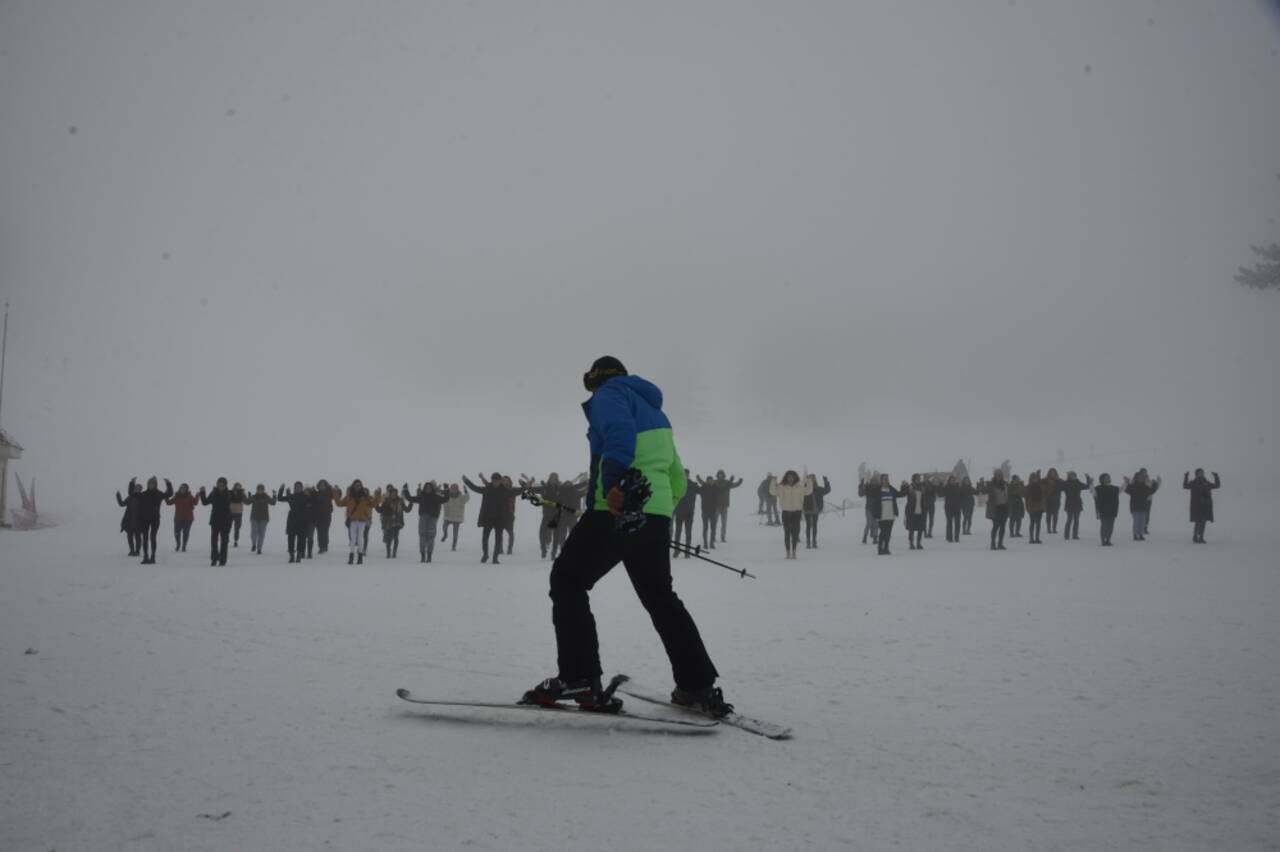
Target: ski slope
{"type": "Point", "coordinates": [1057, 697]}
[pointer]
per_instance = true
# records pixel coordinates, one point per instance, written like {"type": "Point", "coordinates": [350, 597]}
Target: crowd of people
{"type": "Point", "coordinates": [793, 501]}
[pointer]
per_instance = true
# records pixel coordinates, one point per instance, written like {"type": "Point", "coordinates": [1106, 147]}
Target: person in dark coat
{"type": "Point", "coordinates": [915, 518]}
{"type": "Point", "coordinates": [129, 524]}
{"type": "Point", "coordinates": [1034, 495]}
{"type": "Point", "coordinates": [725, 484]}
{"type": "Point", "coordinates": [1017, 506]}
{"type": "Point", "coordinates": [997, 492]}
{"type": "Point", "coordinates": [813, 506]}
{"type": "Point", "coordinates": [869, 489]}
{"type": "Point", "coordinates": [710, 504]}
{"type": "Point", "coordinates": [931, 486]}
{"type": "Point", "coordinates": [952, 500]}
{"type": "Point", "coordinates": [1201, 501]}
{"type": "Point", "coordinates": [495, 503]}
{"type": "Point", "coordinates": [430, 501]}
{"type": "Point", "coordinates": [683, 515]}
{"type": "Point", "coordinates": [219, 499]}
{"type": "Point", "coordinates": [967, 501]}
{"type": "Point", "coordinates": [1073, 503]}
{"type": "Point", "coordinates": [298, 521]}
{"type": "Point", "coordinates": [886, 512]}
{"type": "Point", "coordinates": [1106, 502]}
{"type": "Point", "coordinates": [238, 498]}
{"type": "Point", "coordinates": [1052, 485]}
{"type": "Point", "coordinates": [1140, 489]}
{"type": "Point", "coordinates": [148, 517]}
{"type": "Point", "coordinates": [321, 515]}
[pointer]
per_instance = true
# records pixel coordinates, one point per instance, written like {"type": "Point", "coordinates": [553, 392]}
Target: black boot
{"type": "Point", "coordinates": [351, 559]}
{"type": "Point", "coordinates": [709, 700]}
{"type": "Point", "coordinates": [360, 559]}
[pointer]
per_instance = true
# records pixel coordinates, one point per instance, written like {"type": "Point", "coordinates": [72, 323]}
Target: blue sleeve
{"type": "Point", "coordinates": [613, 421]}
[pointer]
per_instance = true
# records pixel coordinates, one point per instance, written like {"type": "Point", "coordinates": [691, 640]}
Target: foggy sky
{"type": "Point", "coordinates": [385, 239]}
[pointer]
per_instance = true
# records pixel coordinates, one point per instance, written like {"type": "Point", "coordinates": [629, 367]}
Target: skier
{"type": "Point", "coordinates": [392, 514]}
{"type": "Point", "coordinates": [184, 515]}
{"type": "Point", "coordinates": [1140, 489]}
{"type": "Point", "coordinates": [430, 501]}
{"type": "Point", "coordinates": [298, 520]}
{"type": "Point", "coordinates": [219, 520]}
{"type": "Point", "coordinates": [129, 523]}
{"type": "Point", "coordinates": [791, 493]}
{"type": "Point", "coordinates": [627, 429]}
{"type": "Point", "coordinates": [997, 491]}
{"type": "Point", "coordinates": [1106, 502]}
{"type": "Point", "coordinates": [238, 498]}
{"type": "Point", "coordinates": [1073, 503]}
{"type": "Point", "coordinates": [359, 504]}
{"type": "Point", "coordinates": [259, 516]}
{"type": "Point", "coordinates": [455, 513]}
{"type": "Point", "coordinates": [886, 512]}
{"type": "Point", "coordinates": [148, 517]}
{"type": "Point", "coordinates": [1201, 501]}
{"type": "Point", "coordinates": [683, 515]}
{"type": "Point", "coordinates": [813, 506]}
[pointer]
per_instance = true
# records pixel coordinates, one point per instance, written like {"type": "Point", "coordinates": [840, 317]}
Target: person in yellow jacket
{"type": "Point", "coordinates": [360, 505]}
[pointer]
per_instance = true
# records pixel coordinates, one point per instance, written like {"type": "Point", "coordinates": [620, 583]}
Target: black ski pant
{"type": "Point", "coordinates": [219, 537]}
{"type": "Point", "coordinates": [886, 533]}
{"type": "Point", "coordinates": [181, 532]}
{"type": "Point", "coordinates": [708, 529]}
{"type": "Point", "coordinates": [953, 525]}
{"type": "Point", "coordinates": [497, 542]}
{"type": "Point", "coordinates": [791, 530]}
{"type": "Point", "coordinates": [810, 529]}
{"type": "Point", "coordinates": [685, 523]}
{"type": "Point", "coordinates": [147, 538]}
{"type": "Point", "coordinates": [297, 542]}
{"type": "Point", "coordinates": [593, 549]}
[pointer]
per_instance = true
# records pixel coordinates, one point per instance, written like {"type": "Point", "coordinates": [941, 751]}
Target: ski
{"type": "Point", "coordinates": [756, 726]}
{"type": "Point", "coordinates": [622, 715]}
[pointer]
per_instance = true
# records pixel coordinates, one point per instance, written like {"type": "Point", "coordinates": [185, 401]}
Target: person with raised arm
{"type": "Point", "coordinates": [184, 515]}
{"type": "Point", "coordinates": [1201, 501]}
{"type": "Point", "coordinates": [360, 505]}
{"type": "Point", "coordinates": [1034, 494]}
{"type": "Point", "coordinates": [952, 500]}
{"type": "Point", "coordinates": [298, 522]}
{"type": "Point", "coordinates": [219, 499]}
{"type": "Point", "coordinates": [997, 491]}
{"type": "Point", "coordinates": [1017, 506]}
{"type": "Point", "coordinates": [259, 502]}
{"type": "Point", "coordinates": [495, 504]}
{"type": "Point", "coordinates": [1140, 489]}
{"type": "Point", "coordinates": [455, 513]}
{"type": "Point", "coordinates": [791, 493]}
{"type": "Point", "coordinates": [683, 514]}
{"type": "Point", "coordinates": [1106, 503]}
{"type": "Point", "coordinates": [149, 502]}
{"type": "Point", "coordinates": [129, 524]}
{"type": "Point", "coordinates": [1073, 503]}
{"type": "Point", "coordinates": [238, 498]}
{"type": "Point", "coordinates": [321, 517]}
{"type": "Point", "coordinates": [430, 501]}
{"type": "Point", "coordinates": [886, 511]}
{"type": "Point", "coordinates": [813, 506]}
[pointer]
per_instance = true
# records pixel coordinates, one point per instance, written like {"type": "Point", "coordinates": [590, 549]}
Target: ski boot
{"type": "Point", "coordinates": [587, 692]}
{"type": "Point", "coordinates": [709, 700]}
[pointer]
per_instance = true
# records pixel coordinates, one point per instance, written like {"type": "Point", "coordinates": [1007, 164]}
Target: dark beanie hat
{"type": "Point", "coordinates": [601, 371]}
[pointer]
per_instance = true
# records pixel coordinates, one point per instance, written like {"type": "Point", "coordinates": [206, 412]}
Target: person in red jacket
{"type": "Point", "coordinates": [184, 515]}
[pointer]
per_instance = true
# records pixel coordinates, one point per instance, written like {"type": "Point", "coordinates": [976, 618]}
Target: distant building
{"type": "Point", "coordinates": [9, 449]}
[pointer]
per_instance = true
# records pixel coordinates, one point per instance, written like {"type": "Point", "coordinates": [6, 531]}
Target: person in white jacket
{"type": "Point", "coordinates": [791, 492]}
{"type": "Point", "coordinates": [455, 512]}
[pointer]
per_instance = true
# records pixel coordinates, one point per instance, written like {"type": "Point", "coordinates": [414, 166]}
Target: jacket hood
{"type": "Point", "coordinates": [643, 388]}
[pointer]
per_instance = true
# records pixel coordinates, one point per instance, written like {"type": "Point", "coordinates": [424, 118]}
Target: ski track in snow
{"type": "Point", "coordinates": [1060, 697]}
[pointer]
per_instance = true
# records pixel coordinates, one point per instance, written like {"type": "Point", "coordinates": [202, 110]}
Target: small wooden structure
{"type": "Point", "coordinates": [9, 449]}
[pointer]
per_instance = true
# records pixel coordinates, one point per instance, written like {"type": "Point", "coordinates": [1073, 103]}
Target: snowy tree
{"type": "Point", "coordinates": [1265, 275]}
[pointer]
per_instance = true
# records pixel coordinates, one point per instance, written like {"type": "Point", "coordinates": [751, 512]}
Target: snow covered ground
{"type": "Point", "coordinates": [1058, 697]}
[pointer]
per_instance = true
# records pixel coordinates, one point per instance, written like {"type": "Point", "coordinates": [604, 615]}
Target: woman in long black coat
{"type": "Point", "coordinates": [495, 509]}
{"type": "Point", "coordinates": [1201, 500]}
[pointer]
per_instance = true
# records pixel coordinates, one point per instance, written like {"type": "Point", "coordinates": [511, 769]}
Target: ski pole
{"type": "Point", "coordinates": [696, 552]}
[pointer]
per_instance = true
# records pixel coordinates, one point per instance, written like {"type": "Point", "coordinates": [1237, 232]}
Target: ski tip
{"type": "Point", "coordinates": [402, 693]}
